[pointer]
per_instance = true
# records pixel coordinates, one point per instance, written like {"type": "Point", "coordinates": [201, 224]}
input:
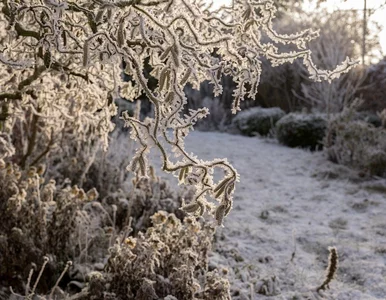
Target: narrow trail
{"type": "Point", "coordinates": [289, 207]}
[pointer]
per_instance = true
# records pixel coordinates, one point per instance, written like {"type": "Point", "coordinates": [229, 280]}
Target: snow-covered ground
{"type": "Point", "coordinates": [289, 207]}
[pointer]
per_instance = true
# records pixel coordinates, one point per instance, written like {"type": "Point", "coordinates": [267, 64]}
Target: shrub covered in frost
{"type": "Point", "coordinates": [65, 223]}
{"type": "Point", "coordinates": [41, 219]}
{"type": "Point", "coordinates": [301, 130]}
{"type": "Point", "coordinates": [146, 196]}
{"type": "Point", "coordinates": [357, 144]}
{"type": "Point", "coordinates": [169, 260]}
{"type": "Point", "coordinates": [257, 120]}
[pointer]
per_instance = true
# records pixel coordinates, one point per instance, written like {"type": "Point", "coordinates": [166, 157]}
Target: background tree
{"type": "Point", "coordinates": [340, 36]}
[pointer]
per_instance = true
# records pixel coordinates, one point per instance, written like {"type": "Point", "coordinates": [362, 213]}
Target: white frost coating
{"type": "Point", "coordinates": [87, 40]}
{"type": "Point", "coordinates": [259, 112]}
{"type": "Point", "coordinates": [292, 200]}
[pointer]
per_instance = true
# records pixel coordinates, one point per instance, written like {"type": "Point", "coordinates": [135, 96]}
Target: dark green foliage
{"type": "Point", "coordinates": [300, 130]}
{"type": "Point", "coordinates": [369, 117]}
{"type": "Point", "coordinates": [257, 120]}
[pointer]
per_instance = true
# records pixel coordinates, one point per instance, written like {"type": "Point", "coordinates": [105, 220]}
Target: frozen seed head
{"type": "Point", "coordinates": [9, 168]}
{"type": "Point", "coordinates": [331, 269]}
{"type": "Point", "coordinates": [74, 190]}
{"type": "Point", "coordinates": [23, 185]}
{"type": "Point", "coordinates": [172, 220]}
{"type": "Point", "coordinates": [94, 275]}
{"type": "Point", "coordinates": [109, 230]}
{"type": "Point", "coordinates": [92, 194]}
{"type": "Point", "coordinates": [159, 218]}
{"type": "Point", "coordinates": [31, 171]}
{"type": "Point", "coordinates": [2, 164]}
{"type": "Point", "coordinates": [130, 242]}
{"type": "Point", "coordinates": [22, 193]}
{"type": "Point", "coordinates": [41, 169]}
{"type": "Point", "coordinates": [17, 231]}
{"type": "Point", "coordinates": [81, 194]}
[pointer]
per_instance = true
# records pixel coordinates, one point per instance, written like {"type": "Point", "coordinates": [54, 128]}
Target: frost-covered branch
{"type": "Point", "coordinates": [184, 41]}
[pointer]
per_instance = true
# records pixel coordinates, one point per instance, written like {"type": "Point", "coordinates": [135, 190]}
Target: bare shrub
{"type": "Point", "coordinates": [336, 41]}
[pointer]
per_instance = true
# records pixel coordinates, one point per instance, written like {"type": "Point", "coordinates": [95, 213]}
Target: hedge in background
{"type": "Point", "coordinates": [257, 120]}
{"type": "Point", "coordinates": [300, 130]}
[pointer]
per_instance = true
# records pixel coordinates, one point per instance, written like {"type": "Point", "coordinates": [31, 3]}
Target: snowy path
{"type": "Point", "coordinates": [284, 204]}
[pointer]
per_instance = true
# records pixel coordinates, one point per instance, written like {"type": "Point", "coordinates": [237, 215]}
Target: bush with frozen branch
{"type": "Point", "coordinates": [60, 62]}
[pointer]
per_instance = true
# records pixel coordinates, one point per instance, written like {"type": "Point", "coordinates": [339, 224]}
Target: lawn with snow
{"type": "Point", "coordinates": [289, 207]}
